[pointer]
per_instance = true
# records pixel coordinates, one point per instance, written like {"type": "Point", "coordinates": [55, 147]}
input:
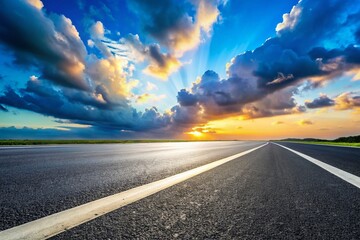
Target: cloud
{"type": "Point", "coordinates": [347, 101]}
{"type": "Point", "coordinates": [305, 122]}
{"type": "Point", "coordinates": [150, 86]}
{"type": "Point", "coordinates": [97, 30]}
{"type": "Point", "coordinates": [148, 97]}
{"type": "Point", "coordinates": [160, 65]}
{"type": "Point", "coordinates": [186, 98]}
{"type": "Point", "coordinates": [203, 129]}
{"type": "Point", "coordinates": [216, 98]}
{"type": "Point", "coordinates": [49, 42]}
{"type": "Point", "coordinates": [36, 3]}
{"type": "Point", "coordinates": [263, 82]}
{"type": "Point", "coordinates": [4, 109]}
{"type": "Point", "coordinates": [320, 102]}
{"type": "Point", "coordinates": [277, 123]}
{"type": "Point", "coordinates": [170, 22]}
{"type": "Point", "coordinates": [65, 132]}
{"type": "Point", "coordinates": [52, 44]}
{"type": "Point", "coordinates": [259, 83]}
{"type": "Point", "coordinates": [281, 78]}
{"type": "Point", "coordinates": [111, 74]}
{"type": "Point", "coordinates": [289, 19]}
{"type": "Point", "coordinates": [83, 107]}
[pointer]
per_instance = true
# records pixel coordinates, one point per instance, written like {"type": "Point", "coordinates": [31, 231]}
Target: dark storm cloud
{"type": "Point", "coordinates": [50, 43]}
{"type": "Point", "coordinates": [320, 102]}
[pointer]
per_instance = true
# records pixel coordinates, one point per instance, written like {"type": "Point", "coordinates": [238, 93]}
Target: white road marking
{"type": "Point", "coordinates": [54, 224]}
{"type": "Point", "coordinates": [348, 177]}
{"type": "Point", "coordinates": [326, 145]}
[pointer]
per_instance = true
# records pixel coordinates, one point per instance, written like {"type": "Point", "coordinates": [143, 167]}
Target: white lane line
{"type": "Point", "coordinates": [348, 177]}
{"type": "Point", "coordinates": [54, 224]}
{"type": "Point", "coordinates": [326, 145]}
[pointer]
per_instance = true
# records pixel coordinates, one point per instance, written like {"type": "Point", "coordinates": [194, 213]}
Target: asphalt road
{"type": "Point", "coordinates": [38, 181]}
{"type": "Point", "coordinates": [269, 193]}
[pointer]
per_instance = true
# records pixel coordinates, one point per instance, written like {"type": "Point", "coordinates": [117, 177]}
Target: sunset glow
{"type": "Point", "coordinates": [179, 69]}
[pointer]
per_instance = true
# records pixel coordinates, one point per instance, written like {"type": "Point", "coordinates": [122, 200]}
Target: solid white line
{"type": "Point", "coordinates": [54, 224]}
{"type": "Point", "coordinates": [326, 145]}
{"type": "Point", "coordinates": [348, 177]}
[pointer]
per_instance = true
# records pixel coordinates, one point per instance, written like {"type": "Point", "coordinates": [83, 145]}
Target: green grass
{"type": "Point", "coordinates": [46, 142]}
{"type": "Point", "coordinates": [329, 143]}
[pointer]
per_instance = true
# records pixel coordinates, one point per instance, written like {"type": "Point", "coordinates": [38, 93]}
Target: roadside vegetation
{"type": "Point", "coordinates": [352, 141]}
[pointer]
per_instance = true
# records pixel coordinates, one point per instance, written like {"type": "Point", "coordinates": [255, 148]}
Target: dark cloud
{"type": "Point", "coordinates": [63, 133]}
{"type": "Point", "coordinates": [81, 108]}
{"type": "Point", "coordinates": [161, 65]}
{"type": "Point", "coordinates": [263, 82]}
{"type": "Point", "coordinates": [2, 108]}
{"type": "Point", "coordinates": [48, 42]}
{"type": "Point", "coordinates": [186, 99]}
{"type": "Point", "coordinates": [215, 98]}
{"type": "Point", "coordinates": [176, 24]}
{"type": "Point", "coordinates": [317, 40]}
{"type": "Point", "coordinates": [320, 102]}
{"type": "Point", "coordinates": [295, 54]}
{"type": "Point", "coordinates": [313, 23]}
{"type": "Point", "coordinates": [162, 18]}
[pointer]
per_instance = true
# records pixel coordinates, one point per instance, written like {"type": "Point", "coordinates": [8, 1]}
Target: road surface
{"type": "Point", "coordinates": [270, 192]}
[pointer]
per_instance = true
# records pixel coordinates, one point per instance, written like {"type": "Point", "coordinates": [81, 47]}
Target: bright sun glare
{"type": "Point", "coordinates": [195, 133]}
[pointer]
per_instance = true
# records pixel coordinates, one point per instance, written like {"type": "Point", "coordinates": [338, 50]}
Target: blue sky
{"type": "Point", "coordinates": [145, 69]}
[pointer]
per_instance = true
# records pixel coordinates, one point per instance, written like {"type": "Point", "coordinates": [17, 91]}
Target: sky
{"type": "Point", "coordinates": [169, 69]}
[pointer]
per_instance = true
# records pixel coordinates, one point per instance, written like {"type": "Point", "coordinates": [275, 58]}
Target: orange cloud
{"type": "Point", "coordinates": [162, 71]}
{"type": "Point", "coordinates": [36, 3]}
{"type": "Point", "coordinates": [182, 41]}
{"type": "Point", "coordinates": [305, 122]}
{"type": "Point", "coordinates": [147, 97]}
{"type": "Point", "coordinates": [347, 101]}
{"type": "Point", "coordinates": [111, 73]}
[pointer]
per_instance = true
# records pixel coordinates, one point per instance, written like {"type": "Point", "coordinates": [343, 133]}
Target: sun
{"type": "Point", "coordinates": [196, 133]}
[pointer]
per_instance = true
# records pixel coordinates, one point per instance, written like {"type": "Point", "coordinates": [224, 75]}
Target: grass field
{"type": "Point", "coordinates": [46, 142]}
{"type": "Point", "coordinates": [330, 143]}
